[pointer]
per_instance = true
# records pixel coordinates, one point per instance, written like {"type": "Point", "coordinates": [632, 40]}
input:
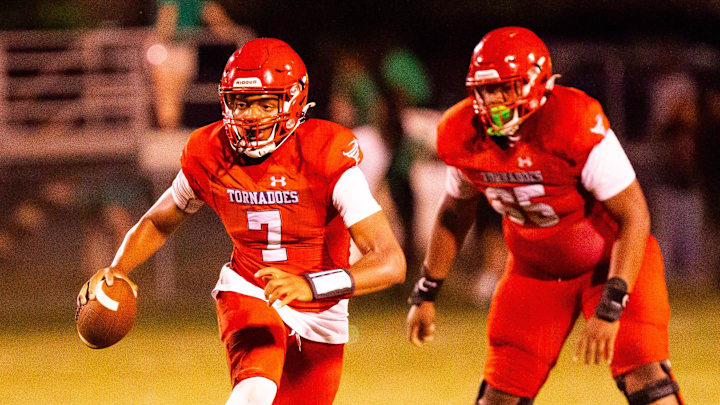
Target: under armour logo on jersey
{"type": "Point", "coordinates": [523, 162]}
{"type": "Point", "coordinates": [274, 181]}
{"type": "Point", "coordinates": [354, 152]}
{"type": "Point", "coordinates": [599, 127]}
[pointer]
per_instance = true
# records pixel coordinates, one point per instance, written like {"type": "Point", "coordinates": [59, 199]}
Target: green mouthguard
{"type": "Point", "coordinates": [499, 115]}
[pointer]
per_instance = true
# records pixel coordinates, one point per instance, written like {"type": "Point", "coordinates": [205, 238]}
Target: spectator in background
{"type": "Point", "coordinates": [109, 207]}
{"type": "Point", "coordinates": [405, 85]}
{"type": "Point", "coordinates": [356, 102]}
{"type": "Point", "coordinates": [673, 95]}
{"type": "Point", "coordinates": [107, 202]}
{"type": "Point", "coordinates": [23, 219]}
{"type": "Point", "coordinates": [674, 186]}
{"type": "Point", "coordinates": [174, 56]}
{"type": "Point", "coordinates": [353, 102]}
{"type": "Point", "coordinates": [372, 92]}
{"type": "Point", "coordinates": [676, 200]}
{"type": "Point", "coordinates": [708, 144]}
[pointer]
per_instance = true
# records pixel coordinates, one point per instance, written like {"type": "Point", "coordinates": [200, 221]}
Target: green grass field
{"type": "Point", "coordinates": [177, 359]}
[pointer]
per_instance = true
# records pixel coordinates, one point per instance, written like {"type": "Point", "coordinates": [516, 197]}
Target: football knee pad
{"type": "Point", "coordinates": [652, 392]}
{"type": "Point", "coordinates": [483, 387]}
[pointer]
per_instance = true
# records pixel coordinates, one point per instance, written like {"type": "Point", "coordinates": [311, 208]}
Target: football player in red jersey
{"type": "Point", "coordinates": [574, 220]}
{"type": "Point", "coordinates": [290, 195]}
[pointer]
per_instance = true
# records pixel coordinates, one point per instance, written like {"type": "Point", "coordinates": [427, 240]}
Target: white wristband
{"type": "Point", "coordinates": [337, 283]}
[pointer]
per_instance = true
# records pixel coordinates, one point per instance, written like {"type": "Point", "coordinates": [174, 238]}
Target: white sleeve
{"type": "Point", "coordinates": [183, 194]}
{"type": "Point", "coordinates": [607, 170]}
{"type": "Point", "coordinates": [458, 185]}
{"type": "Point", "coordinates": [352, 197]}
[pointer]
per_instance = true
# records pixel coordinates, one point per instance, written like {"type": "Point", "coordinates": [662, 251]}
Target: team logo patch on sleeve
{"type": "Point", "coordinates": [354, 152]}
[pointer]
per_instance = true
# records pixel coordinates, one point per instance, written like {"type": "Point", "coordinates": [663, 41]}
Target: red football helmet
{"type": "Point", "coordinates": [515, 62]}
{"type": "Point", "coordinates": [264, 66]}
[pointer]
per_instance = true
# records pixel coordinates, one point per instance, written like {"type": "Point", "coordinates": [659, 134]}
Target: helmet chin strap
{"type": "Point", "coordinates": [260, 152]}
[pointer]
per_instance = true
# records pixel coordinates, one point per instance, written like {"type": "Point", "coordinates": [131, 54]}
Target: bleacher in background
{"type": "Point", "coordinates": [72, 93]}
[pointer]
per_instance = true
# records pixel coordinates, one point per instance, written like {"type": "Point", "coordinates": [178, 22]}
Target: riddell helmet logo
{"type": "Point", "coordinates": [247, 82]}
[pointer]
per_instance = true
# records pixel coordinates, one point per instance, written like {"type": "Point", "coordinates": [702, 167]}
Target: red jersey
{"type": "Point", "coordinates": [552, 225]}
{"type": "Point", "coordinates": [278, 212]}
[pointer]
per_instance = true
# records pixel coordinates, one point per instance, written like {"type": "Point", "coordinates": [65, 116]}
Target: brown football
{"type": "Point", "coordinates": [105, 320]}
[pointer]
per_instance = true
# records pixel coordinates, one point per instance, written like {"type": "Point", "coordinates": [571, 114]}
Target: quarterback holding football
{"type": "Point", "coordinates": [290, 195]}
{"type": "Point", "coordinates": [575, 222]}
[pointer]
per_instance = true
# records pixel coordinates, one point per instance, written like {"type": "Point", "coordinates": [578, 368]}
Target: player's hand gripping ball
{"type": "Point", "coordinates": [103, 321]}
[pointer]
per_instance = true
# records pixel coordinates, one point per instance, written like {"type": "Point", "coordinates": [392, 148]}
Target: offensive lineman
{"type": "Point", "coordinates": [575, 222]}
{"type": "Point", "coordinates": [290, 196]}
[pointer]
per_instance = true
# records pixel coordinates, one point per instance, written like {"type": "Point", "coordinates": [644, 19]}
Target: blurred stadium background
{"type": "Point", "coordinates": [82, 155]}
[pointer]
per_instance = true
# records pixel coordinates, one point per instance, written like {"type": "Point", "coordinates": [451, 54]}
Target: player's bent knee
{"type": "Point", "coordinates": [652, 391]}
{"type": "Point", "coordinates": [253, 391]}
{"type": "Point", "coordinates": [489, 395]}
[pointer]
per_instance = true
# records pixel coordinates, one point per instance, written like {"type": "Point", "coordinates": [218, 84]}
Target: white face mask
{"type": "Point", "coordinates": [242, 143]}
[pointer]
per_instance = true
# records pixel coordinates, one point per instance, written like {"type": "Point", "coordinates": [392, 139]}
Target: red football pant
{"type": "Point", "coordinates": [259, 344]}
{"type": "Point", "coordinates": [530, 319]}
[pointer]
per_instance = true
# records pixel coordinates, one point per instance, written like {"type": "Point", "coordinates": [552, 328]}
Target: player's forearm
{"type": "Point", "coordinates": [378, 270]}
{"type": "Point", "coordinates": [149, 234]}
{"type": "Point", "coordinates": [383, 261]}
{"type": "Point", "coordinates": [441, 254]}
{"type": "Point", "coordinates": [625, 262]}
{"type": "Point", "coordinates": [141, 241]}
{"type": "Point", "coordinates": [451, 226]}
{"type": "Point", "coordinates": [629, 249]}
{"type": "Point", "coordinates": [630, 210]}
